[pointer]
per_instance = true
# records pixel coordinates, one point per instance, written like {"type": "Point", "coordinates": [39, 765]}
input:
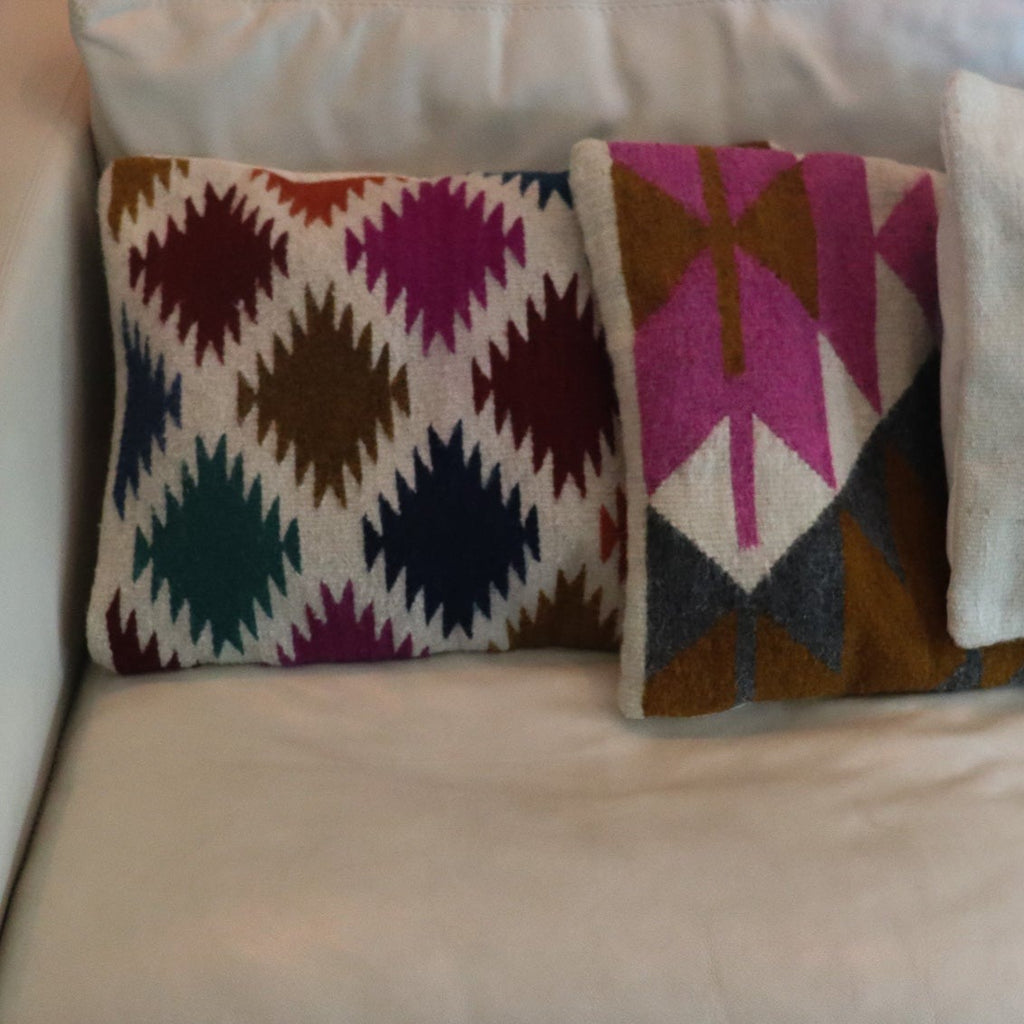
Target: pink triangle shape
{"type": "Point", "coordinates": [673, 169]}
{"type": "Point", "coordinates": [907, 243]}
{"type": "Point", "coordinates": [837, 188]}
{"type": "Point", "coordinates": [746, 173]}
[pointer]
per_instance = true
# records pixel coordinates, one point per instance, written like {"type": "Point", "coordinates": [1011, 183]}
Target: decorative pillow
{"type": "Point", "coordinates": [357, 418]}
{"type": "Point", "coordinates": [981, 267]}
{"type": "Point", "coordinates": [772, 320]}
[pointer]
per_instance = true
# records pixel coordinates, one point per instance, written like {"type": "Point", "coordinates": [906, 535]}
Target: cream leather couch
{"type": "Point", "coordinates": [463, 839]}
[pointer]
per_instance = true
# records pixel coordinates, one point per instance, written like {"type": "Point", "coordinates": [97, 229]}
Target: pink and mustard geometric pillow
{"type": "Point", "coordinates": [357, 417]}
{"type": "Point", "coordinates": [773, 320]}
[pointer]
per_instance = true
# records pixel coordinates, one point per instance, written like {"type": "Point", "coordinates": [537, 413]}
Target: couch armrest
{"type": "Point", "coordinates": [52, 350]}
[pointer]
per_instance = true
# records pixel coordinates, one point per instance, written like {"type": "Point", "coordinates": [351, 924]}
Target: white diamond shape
{"type": "Point", "coordinates": [698, 499]}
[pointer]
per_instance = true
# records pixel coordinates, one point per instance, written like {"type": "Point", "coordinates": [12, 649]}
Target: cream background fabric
{"type": "Point", "coordinates": [590, 177]}
{"type": "Point", "coordinates": [981, 278]}
{"type": "Point", "coordinates": [439, 86]}
{"type": "Point", "coordinates": [473, 839]}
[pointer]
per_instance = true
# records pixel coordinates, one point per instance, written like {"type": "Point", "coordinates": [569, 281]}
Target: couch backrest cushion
{"type": "Point", "coordinates": [436, 86]}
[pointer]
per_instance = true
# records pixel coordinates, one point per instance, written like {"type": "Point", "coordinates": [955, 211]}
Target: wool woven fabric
{"type": "Point", "coordinates": [357, 417]}
{"type": "Point", "coordinates": [981, 269]}
{"type": "Point", "coordinates": [772, 320]}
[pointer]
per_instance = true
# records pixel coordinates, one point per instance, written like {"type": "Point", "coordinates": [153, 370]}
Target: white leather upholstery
{"type": "Point", "coordinates": [434, 86]}
{"type": "Point", "coordinates": [475, 839]}
{"type": "Point", "coordinates": [463, 840]}
{"type": "Point", "coordinates": [50, 295]}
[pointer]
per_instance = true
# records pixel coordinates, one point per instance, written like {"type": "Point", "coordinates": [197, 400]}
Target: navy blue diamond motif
{"type": "Point", "coordinates": [549, 183]}
{"type": "Point", "coordinates": [148, 405]}
{"type": "Point", "coordinates": [453, 534]}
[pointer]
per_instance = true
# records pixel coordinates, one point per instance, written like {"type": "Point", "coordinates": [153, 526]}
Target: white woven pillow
{"type": "Point", "coordinates": [981, 274]}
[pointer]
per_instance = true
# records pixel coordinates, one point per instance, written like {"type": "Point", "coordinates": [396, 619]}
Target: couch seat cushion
{"type": "Point", "coordinates": [481, 839]}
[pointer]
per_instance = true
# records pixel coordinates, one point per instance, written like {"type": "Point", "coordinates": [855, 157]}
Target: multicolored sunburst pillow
{"type": "Point", "coordinates": [772, 320]}
{"type": "Point", "coordinates": [356, 418]}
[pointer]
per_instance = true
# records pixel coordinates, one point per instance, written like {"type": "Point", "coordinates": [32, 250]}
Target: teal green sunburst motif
{"type": "Point", "coordinates": [216, 550]}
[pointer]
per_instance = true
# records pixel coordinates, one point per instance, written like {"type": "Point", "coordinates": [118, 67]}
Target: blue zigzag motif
{"type": "Point", "coordinates": [548, 184]}
{"type": "Point", "coordinates": [148, 404]}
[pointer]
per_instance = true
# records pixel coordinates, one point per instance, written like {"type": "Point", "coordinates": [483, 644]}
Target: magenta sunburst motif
{"type": "Point", "coordinates": [438, 250]}
{"type": "Point", "coordinates": [212, 268]}
{"type": "Point", "coordinates": [343, 634]}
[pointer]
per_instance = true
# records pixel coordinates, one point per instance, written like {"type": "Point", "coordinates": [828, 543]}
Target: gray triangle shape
{"type": "Point", "coordinates": [687, 592]}
{"type": "Point", "coordinates": [805, 592]}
